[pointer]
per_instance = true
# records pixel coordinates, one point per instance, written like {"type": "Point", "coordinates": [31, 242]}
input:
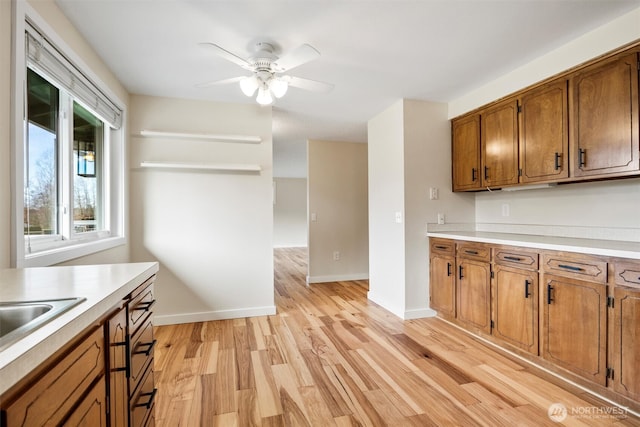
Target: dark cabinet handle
{"type": "Point", "coordinates": [486, 172]}
{"type": "Point", "coordinates": [582, 161]}
{"type": "Point", "coordinates": [144, 306]}
{"type": "Point", "coordinates": [126, 367]}
{"type": "Point", "coordinates": [441, 247]}
{"type": "Point", "coordinates": [449, 269]}
{"type": "Point", "coordinates": [149, 346]}
{"type": "Point", "coordinates": [460, 276]}
{"type": "Point", "coordinates": [549, 290]}
{"type": "Point", "coordinates": [557, 162]}
{"type": "Point", "coordinates": [527, 293]}
{"type": "Point", "coordinates": [471, 252]}
{"type": "Point", "coordinates": [512, 258]}
{"type": "Point", "coordinates": [474, 174]}
{"type": "Point", "coordinates": [149, 402]}
{"type": "Point", "coordinates": [570, 267]}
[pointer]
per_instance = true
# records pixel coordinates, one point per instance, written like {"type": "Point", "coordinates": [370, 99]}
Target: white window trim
{"type": "Point", "coordinates": [115, 209]}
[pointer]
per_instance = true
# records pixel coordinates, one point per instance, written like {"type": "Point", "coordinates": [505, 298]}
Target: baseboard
{"type": "Point", "coordinates": [338, 278]}
{"type": "Point", "coordinates": [380, 301]}
{"type": "Point", "coordinates": [205, 316]}
{"type": "Point", "coordinates": [419, 313]}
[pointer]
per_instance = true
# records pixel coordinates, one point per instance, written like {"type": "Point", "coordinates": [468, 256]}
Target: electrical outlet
{"type": "Point", "coordinates": [336, 255]}
{"type": "Point", "coordinates": [440, 218]}
{"type": "Point", "coordinates": [433, 193]}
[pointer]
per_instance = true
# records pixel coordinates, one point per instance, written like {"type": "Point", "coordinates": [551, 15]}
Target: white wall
{"type": "Point", "coordinates": [596, 210]}
{"type": "Point", "coordinates": [211, 232]}
{"type": "Point", "coordinates": [386, 197]}
{"type": "Point", "coordinates": [337, 194]}
{"type": "Point", "coordinates": [290, 213]}
{"type": "Point", "coordinates": [409, 152]}
{"type": "Point", "coordinates": [5, 139]}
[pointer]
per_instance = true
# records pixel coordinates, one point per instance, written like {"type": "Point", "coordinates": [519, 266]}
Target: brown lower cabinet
{"type": "Point", "coordinates": [87, 382]}
{"type": "Point", "coordinates": [575, 314]}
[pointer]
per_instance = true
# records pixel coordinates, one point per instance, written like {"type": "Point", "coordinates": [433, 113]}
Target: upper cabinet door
{"type": "Point", "coordinates": [466, 153]}
{"type": "Point", "coordinates": [500, 144]}
{"type": "Point", "coordinates": [544, 133]}
{"type": "Point", "coordinates": [604, 113]}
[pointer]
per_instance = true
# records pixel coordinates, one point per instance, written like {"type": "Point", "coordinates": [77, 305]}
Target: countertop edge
{"type": "Point", "coordinates": [610, 248]}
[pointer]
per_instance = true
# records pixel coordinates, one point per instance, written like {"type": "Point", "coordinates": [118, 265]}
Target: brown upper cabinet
{"type": "Point", "coordinates": [499, 130]}
{"type": "Point", "coordinates": [466, 153]}
{"type": "Point", "coordinates": [544, 133]}
{"type": "Point", "coordinates": [604, 112]}
{"type": "Point", "coordinates": [582, 125]}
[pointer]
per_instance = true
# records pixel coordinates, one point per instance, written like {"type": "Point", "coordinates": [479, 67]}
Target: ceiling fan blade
{"type": "Point", "coordinates": [300, 55]}
{"type": "Point", "coordinates": [221, 82]}
{"type": "Point", "coordinates": [307, 84]}
{"type": "Point", "coordinates": [223, 53]}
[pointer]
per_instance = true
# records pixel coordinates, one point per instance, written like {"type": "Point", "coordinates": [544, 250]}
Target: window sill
{"type": "Point", "coordinates": [62, 254]}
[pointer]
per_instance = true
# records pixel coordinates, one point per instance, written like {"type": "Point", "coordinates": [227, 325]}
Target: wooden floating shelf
{"type": "Point", "coordinates": [203, 166]}
{"type": "Point", "coordinates": [248, 139]}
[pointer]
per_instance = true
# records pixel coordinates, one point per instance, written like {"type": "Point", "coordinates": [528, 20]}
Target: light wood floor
{"type": "Point", "coordinates": [330, 357]}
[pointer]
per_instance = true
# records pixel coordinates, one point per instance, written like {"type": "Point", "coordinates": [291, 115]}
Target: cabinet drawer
{"type": "Point", "coordinates": [142, 402]}
{"type": "Point", "coordinates": [59, 389]}
{"type": "Point", "coordinates": [142, 348]}
{"type": "Point", "coordinates": [474, 251]}
{"type": "Point", "coordinates": [441, 246]}
{"type": "Point", "coordinates": [515, 258]}
{"type": "Point", "coordinates": [627, 273]}
{"type": "Point", "coordinates": [583, 267]}
{"type": "Point", "coordinates": [140, 307]}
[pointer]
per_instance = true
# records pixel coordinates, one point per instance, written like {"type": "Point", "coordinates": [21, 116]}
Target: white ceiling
{"type": "Point", "coordinates": [374, 52]}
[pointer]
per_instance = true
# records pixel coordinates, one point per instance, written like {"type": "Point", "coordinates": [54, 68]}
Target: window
{"type": "Point", "coordinates": [72, 155]}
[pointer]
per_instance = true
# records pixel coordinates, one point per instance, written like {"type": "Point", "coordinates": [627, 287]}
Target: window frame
{"type": "Point", "coordinates": [55, 250]}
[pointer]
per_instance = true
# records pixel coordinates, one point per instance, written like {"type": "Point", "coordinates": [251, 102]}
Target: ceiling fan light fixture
{"type": "Point", "coordinates": [248, 85]}
{"type": "Point", "coordinates": [264, 96]}
{"type": "Point", "coordinates": [278, 87]}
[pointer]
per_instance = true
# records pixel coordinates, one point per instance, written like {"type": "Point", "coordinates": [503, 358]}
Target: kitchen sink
{"type": "Point", "coordinates": [18, 319]}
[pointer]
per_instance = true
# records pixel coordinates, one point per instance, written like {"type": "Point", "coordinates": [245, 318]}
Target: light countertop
{"type": "Point", "coordinates": [611, 248]}
{"type": "Point", "coordinates": [103, 286]}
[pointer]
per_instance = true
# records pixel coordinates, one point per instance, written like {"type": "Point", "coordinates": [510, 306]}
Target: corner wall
{"type": "Point", "coordinates": [212, 232]}
{"type": "Point", "coordinates": [5, 134]}
{"type": "Point", "coordinates": [337, 194]}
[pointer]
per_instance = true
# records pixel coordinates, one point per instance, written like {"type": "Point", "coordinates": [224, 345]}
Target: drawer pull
{"type": "Point", "coordinates": [570, 267]}
{"type": "Point", "coordinates": [471, 252]}
{"type": "Point", "coordinates": [527, 293]}
{"type": "Point", "coordinates": [557, 163]}
{"type": "Point", "coordinates": [582, 157]}
{"type": "Point", "coordinates": [448, 269]}
{"type": "Point", "coordinates": [486, 173]}
{"type": "Point", "coordinates": [549, 290]}
{"type": "Point", "coordinates": [460, 276]}
{"type": "Point", "coordinates": [149, 402]}
{"type": "Point", "coordinates": [149, 346]}
{"type": "Point", "coordinates": [512, 258]}
{"type": "Point", "coordinates": [144, 306]}
{"type": "Point", "coordinates": [474, 174]}
{"type": "Point", "coordinates": [441, 247]}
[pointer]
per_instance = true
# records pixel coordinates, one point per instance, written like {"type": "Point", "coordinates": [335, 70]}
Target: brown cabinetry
{"type": "Point", "coordinates": [442, 279]}
{"type": "Point", "coordinates": [58, 393]}
{"type": "Point", "coordinates": [626, 330]}
{"type": "Point", "coordinates": [499, 136]}
{"type": "Point", "coordinates": [574, 323]}
{"type": "Point", "coordinates": [515, 298]}
{"type": "Point", "coordinates": [473, 286]}
{"type": "Point", "coordinates": [466, 153]}
{"type": "Point", "coordinates": [118, 368]}
{"type": "Point", "coordinates": [604, 114]}
{"type": "Point", "coordinates": [544, 133]}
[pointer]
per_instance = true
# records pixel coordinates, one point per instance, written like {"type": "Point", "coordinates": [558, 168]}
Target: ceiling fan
{"type": "Point", "coordinates": [267, 68]}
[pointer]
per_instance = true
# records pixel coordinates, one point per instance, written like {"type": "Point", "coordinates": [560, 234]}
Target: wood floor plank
{"type": "Point", "coordinates": [330, 357]}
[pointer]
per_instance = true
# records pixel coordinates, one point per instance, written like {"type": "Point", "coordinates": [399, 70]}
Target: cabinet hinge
{"type": "Point", "coordinates": [519, 172]}
{"type": "Point", "coordinates": [519, 108]}
{"type": "Point", "coordinates": [610, 302]}
{"type": "Point", "coordinates": [492, 274]}
{"type": "Point", "coordinates": [493, 325]}
{"type": "Point", "coordinates": [610, 373]}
